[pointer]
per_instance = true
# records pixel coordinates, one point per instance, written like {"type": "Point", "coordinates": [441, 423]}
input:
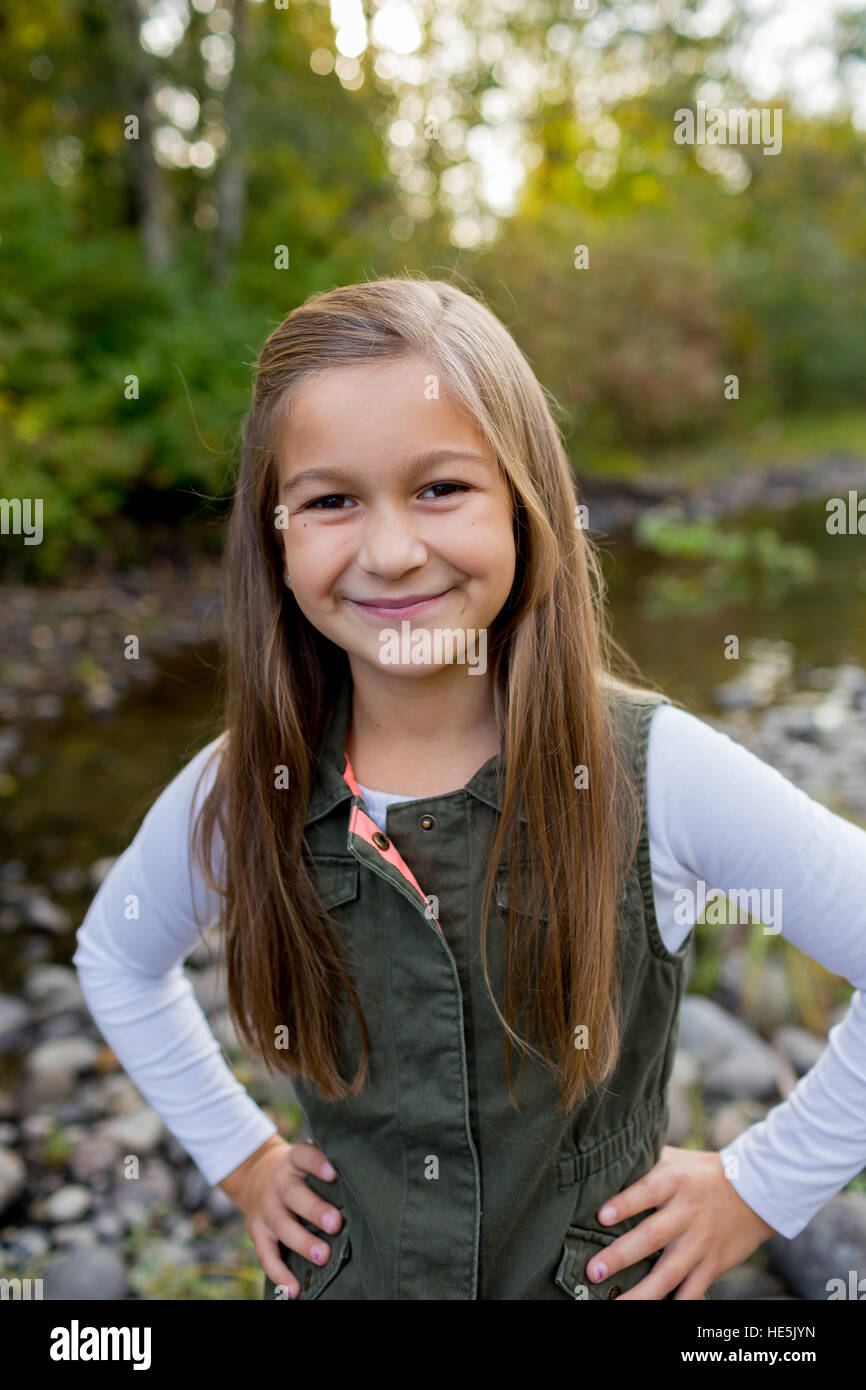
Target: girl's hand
{"type": "Point", "coordinates": [268, 1187]}
{"type": "Point", "coordinates": [702, 1224]}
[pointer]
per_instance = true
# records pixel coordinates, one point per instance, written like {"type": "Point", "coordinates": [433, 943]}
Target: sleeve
{"type": "Point", "coordinates": [718, 813]}
{"type": "Point", "coordinates": [136, 934]}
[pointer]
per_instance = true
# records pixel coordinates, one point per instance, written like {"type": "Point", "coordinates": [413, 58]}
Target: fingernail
{"type": "Point", "coordinates": [607, 1213]}
{"type": "Point", "coordinates": [318, 1253]}
{"type": "Point", "coordinates": [330, 1220]}
{"type": "Point", "coordinates": [597, 1271]}
{"type": "Point", "coordinates": [328, 1171]}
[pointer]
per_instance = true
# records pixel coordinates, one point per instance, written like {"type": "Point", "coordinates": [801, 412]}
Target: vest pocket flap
{"type": "Point", "coordinates": [313, 1279]}
{"type": "Point", "coordinates": [579, 1247]}
{"type": "Point", "coordinates": [336, 879]}
{"type": "Point", "coordinates": [502, 893]}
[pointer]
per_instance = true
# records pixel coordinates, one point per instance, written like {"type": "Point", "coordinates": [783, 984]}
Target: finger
{"type": "Point", "coordinates": [303, 1201]}
{"type": "Point", "coordinates": [697, 1283]}
{"type": "Point", "coordinates": [652, 1234]}
{"type": "Point", "coordinates": [675, 1265]}
{"type": "Point", "coordinates": [296, 1237]}
{"type": "Point", "coordinates": [268, 1251]}
{"type": "Point", "coordinates": [651, 1190]}
{"type": "Point", "coordinates": [311, 1160]}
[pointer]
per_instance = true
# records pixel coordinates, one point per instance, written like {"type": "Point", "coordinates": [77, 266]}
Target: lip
{"type": "Point", "coordinates": [411, 606]}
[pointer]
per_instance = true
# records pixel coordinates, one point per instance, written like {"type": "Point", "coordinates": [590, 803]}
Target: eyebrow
{"type": "Point", "coordinates": [339, 474]}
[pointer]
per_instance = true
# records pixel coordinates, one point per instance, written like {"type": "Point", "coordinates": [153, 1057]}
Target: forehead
{"type": "Point", "coordinates": [383, 407]}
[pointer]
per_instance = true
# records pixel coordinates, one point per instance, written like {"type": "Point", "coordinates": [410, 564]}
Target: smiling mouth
{"type": "Point", "coordinates": [408, 607]}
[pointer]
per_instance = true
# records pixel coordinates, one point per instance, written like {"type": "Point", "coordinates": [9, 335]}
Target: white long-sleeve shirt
{"type": "Point", "coordinates": [716, 814]}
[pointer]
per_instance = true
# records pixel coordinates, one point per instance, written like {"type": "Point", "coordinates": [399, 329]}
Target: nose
{"type": "Point", "coordinates": [389, 542]}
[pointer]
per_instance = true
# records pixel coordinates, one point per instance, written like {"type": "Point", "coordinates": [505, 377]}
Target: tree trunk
{"type": "Point", "coordinates": [151, 201]}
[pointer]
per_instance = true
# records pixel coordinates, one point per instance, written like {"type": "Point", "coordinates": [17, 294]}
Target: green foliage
{"type": "Point", "coordinates": [717, 566]}
{"type": "Point", "coordinates": [689, 280]}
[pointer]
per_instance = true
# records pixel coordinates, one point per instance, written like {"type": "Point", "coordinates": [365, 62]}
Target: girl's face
{"type": "Point", "coordinates": [394, 509]}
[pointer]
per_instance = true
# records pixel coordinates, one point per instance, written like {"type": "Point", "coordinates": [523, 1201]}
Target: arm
{"type": "Point", "coordinates": [720, 813]}
{"type": "Point", "coordinates": [131, 945]}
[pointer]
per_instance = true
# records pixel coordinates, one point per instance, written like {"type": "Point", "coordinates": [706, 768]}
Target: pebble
{"type": "Point", "coordinates": [800, 1048]}
{"type": "Point", "coordinates": [138, 1133]}
{"type": "Point", "coordinates": [92, 1272]}
{"type": "Point", "coordinates": [818, 1263]}
{"type": "Point", "coordinates": [68, 1203]}
{"type": "Point", "coordinates": [12, 1178]}
{"type": "Point", "coordinates": [53, 989]}
{"type": "Point", "coordinates": [14, 1018]}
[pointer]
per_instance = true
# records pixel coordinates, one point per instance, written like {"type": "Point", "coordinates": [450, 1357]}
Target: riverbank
{"type": "Point", "coordinates": [70, 1211]}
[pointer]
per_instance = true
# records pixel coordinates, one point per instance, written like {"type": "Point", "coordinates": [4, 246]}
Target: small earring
{"type": "Point", "coordinates": [287, 579]}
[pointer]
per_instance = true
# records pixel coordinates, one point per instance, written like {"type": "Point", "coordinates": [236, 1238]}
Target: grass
{"type": "Point", "coordinates": [794, 441]}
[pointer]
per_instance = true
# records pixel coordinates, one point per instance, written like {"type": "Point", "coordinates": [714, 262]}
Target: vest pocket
{"type": "Point", "coordinates": [313, 1279]}
{"type": "Point", "coordinates": [336, 879]}
{"type": "Point", "coordinates": [579, 1247]}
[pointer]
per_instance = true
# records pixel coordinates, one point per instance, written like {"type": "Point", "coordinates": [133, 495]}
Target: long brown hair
{"type": "Point", "coordinates": [551, 660]}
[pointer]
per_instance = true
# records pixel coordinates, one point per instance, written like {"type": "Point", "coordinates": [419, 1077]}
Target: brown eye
{"type": "Point", "coordinates": [459, 487]}
{"type": "Point", "coordinates": [332, 497]}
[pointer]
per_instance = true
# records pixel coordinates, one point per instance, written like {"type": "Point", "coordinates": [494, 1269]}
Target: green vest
{"type": "Point", "coordinates": [447, 1191]}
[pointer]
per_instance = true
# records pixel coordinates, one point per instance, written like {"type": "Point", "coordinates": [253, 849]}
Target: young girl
{"type": "Point", "coordinates": [437, 829]}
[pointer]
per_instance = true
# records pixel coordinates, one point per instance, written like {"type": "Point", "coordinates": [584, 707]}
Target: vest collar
{"type": "Point", "coordinates": [330, 785]}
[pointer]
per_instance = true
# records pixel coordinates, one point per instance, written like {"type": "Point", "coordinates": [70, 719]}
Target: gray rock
{"type": "Point", "coordinates": [681, 1123]}
{"type": "Point", "coordinates": [732, 1060]}
{"type": "Point", "coordinates": [732, 1120]}
{"type": "Point", "coordinates": [14, 1018]}
{"type": "Point", "coordinates": [764, 994]}
{"type": "Point", "coordinates": [137, 1133]}
{"type": "Point", "coordinates": [829, 1249]}
{"type": "Point", "coordinates": [685, 1069]}
{"type": "Point", "coordinates": [800, 1048]}
{"type": "Point", "coordinates": [209, 987]}
{"type": "Point", "coordinates": [61, 1056]}
{"type": "Point", "coordinates": [220, 1207]}
{"type": "Point", "coordinates": [110, 1224]}
{"type": "Point", "coordinates": [89, 1272]}
{"type": "Point", "coordinates": [40, 911]}
{"type": "Point", "coordinates": [118, 1095]}
{"type": "Point", "coordinates": [746, 1281]}
{"type": "Point", "coordinates": [734, 695]}
{"type": "Point", "coordinates": [99, 870]}
{"type": "Point", "coordinates": [29, 1241]}
{"type": "Point", "coordinates": [748, 1073]}
{"type": "Point", "coordinates": [53, 989]}
{"type": "Point", "coordinates": [74, 1234]}
{"type": "Point", "coordinates": [12, 1178]}
{"type": "Point", "coordinates": [194, 1190]}
{"type": "Point", "coordinates": [95, 1154]}
{"type": "Point", "coordinates": [68, 1203]}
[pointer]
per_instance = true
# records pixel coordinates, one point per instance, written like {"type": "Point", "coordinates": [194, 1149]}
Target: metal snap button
{"type": "Point", "coordinates": [427, 822]}
{"type": "Point", "coordinates": [308, 1279]}
{"type": "Point", "coordinates": [380, 841]}
{"type": "Point", "coordinates": [614, 1291]}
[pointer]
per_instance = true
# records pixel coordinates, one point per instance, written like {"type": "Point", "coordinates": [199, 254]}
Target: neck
{"type": "Point", "coordinates": [420, 735]}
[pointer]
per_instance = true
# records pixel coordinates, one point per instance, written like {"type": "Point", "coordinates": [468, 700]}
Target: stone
{"type": "Point", "coordinates": [12, 1178]}
{"type": "Point", "coordinates": [746, 1281]}
{"type": "Point", "coordinates": [800, 1048]}
{"type": "Point", "coordinates": [41, 912]}
{"type": "Point", "coordinates": [137, 1133]}
{"type": "Point", "coordinates": [89, 1272]}
{"type": "Point", "coordinates": [14, 1018]}
{"type": "Point", "coordinates": [733, 1120]}
{"type": "Point", "coordinates": [680, 1125]}
{"type": "Point", "coordinates": [827, 1250]}
{"type": "Point", "coordinates": [95, 1154]}
{"type": "Point", "coordinates": [65, 1056]}
{"type": "Point", "coordinates": [52, 989]}
{"type": "Point", "coordinates": [68, 1203]}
